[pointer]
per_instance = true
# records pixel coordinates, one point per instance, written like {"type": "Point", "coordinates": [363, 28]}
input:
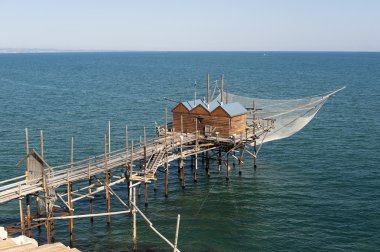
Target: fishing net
{"type": "Point", "coordinates": [290, 116]}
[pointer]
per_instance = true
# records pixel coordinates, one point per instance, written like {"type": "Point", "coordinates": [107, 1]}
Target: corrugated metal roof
{"type": "Point", "coordinates": [191, 104]}
{"type": "Point", "coordinates": [232, 109]}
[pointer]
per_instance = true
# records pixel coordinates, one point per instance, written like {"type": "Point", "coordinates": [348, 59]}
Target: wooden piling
{"type": "Point", "coordinates": [42, 144]}
{"type": "Point", "coordinates": [140, 168]}
{"type": "Point", "coordinates": [207, 164]}
{"type": "Point", "coordinates": [166, 178]}
{"type": "Point", "coordinates": [176, 233]}
{"type": "Point", "coordinates": [126, 146]}
{"type": "Point", "coordinates": [195, 167]}
{"type": "Point", "coordinates": [134, 221]}
{"type": "Point", "coordinates": [145, 163]}
{"type": "Point", "coordinates": [208, 88]}
{"type": "Point", "coordinates": [227, 166]}
{"type": "Point", "coordinates": [90, 191]}
{"type": "Point", "coordinates": [109, 139]}
{"type": "Point", "coordinates": [28, 216]}
{"type": "Point", "coordinates": [222, 88]}
{"type": "Point", "coordinates": [166, 154]}
{"type": "Point", "coordinates": [107, 178]}
{"type": "Point", "coordinates": [72, 152]}
{"type": "Point", "coordinates": [155, 183]}
{"type": "Point", "coordinates": [27, 155]}
{"type": "Point", "coordinates": [130, 176]}
{"type": "Point", "coordinates": [70, 204]}
{"type": "Point", "coordinates": [22, 220]}
{"type": "Point", "coordinates": [219, 159]}
{"type": "Point", "coordinates": [196, 151]}
{"type": "Point", "coordinates": [241, 161]}
{"type": "Point", "coordinates": [182, 165]}
{"type": "Point", "coordinates": [255, 156]}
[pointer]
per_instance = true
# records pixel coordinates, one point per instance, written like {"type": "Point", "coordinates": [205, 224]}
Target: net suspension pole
{"type": "Point", "coordinates": [208, 88]}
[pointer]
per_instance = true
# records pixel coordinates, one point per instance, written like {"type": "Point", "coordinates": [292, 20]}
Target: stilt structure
{"type": "Point", "coordinates": [216, 129]}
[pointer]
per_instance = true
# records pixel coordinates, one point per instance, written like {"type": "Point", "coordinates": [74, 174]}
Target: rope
{"type": "Point", "coordinates": [261, 144]}
{"type": "Point", "coordinates": [208, 193]}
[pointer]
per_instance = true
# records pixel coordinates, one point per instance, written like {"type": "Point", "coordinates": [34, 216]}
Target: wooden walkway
{"type": "Point", "coordinates": [137, 163]}
{"type": "Point", "coordinates": [156, 150]}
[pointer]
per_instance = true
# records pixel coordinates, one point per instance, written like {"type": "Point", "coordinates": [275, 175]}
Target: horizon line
{"type": "Point", "coordinates": [42, 50]}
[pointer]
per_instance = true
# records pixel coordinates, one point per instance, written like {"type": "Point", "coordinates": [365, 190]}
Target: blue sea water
{"type": "Point", "coordinates": [318, 190]}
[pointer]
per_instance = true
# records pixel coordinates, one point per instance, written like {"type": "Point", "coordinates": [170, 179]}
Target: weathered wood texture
{"type": "Point", "coordinates": [218, 120]}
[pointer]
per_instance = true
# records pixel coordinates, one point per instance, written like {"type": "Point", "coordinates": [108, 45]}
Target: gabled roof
{"type": "Point", "coordinates": [192, 104]}
{"type": "Point", "coordinates": [231, 109]}
{"type": "Point", "coordinates": [200, 110]}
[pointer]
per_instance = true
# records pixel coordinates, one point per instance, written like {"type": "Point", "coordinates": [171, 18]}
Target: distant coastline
{"type": "Point", "coordinates": [41, 50]}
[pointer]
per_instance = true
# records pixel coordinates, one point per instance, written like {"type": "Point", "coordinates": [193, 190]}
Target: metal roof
{"type": "Point", "coordinates": [232, 109]}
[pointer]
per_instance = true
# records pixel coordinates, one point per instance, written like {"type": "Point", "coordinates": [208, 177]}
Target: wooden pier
{"type": "Point", "coordinates": [200, 129]}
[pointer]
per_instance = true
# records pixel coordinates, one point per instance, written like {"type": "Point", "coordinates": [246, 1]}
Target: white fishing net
{"type": "Point", "coordinates": [290, 115]}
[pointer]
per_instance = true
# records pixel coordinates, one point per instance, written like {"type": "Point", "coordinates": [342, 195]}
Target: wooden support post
{"type": "Point", "coordinates": [219, 159]}
{"type": "Point", "coordinates": [107, 178]}
{"type": "Point", "coordinates": [181, 164]}
{"type": "Point", "coordinates": [42, 144]}
{"type": "Point", "coordinates": [126, 146]}
{"type": "Point", "coordinates": [134, 221]}
{"type": "Point", "coordinates": [241, 161]}
{"type": "Point", "coordinates": [48, 229]}
{"type": "Point", "coordinates": [195, 167]}
{"type": "Point", "coordinates": [27, 155]}
{"type": "Point", "coordinates": [49, 224]}
{"type": "Point", "coordinates": [109, 139]}
{"type": "Point", "coordinates": [22, 222]}
{"type": "Point", "coordinates": [195, 92]}
{"type": "Point", "coordinates": [90, 191]}
{"type": "Point", "coordinates": [222, 88]}
{"type": "Point", "coordinates": [28, 217]}
{"type": "Point", "coordinates": [182, 167]}
{"type": "Point", "coordinates": [166, 177]}
{"type": "Point", "coordinates": [196, 151]}
{"type": "Point", "coordinates": [181, 124]}
{"type": "Point", "coordinates": [208, 88]}
{"type": "Point", "coordinates": [176, 234]}
{"type": "Point", "coordinates": [255, 157]}
{"type": "Point", "coordinates": [146, 194]}
{"type": "Point", "coordinates": [233, 160]}
{"type": "Point", "coordinates": [166, 154]}
{"type": "Point", "coordinates": [70, 204]}
{"type": "Point", "coordinates": [145, 163]}
{"type": "Point", "coordinates": [72, 152]}
{"type": "Point", "coordinates": [155, 183]}
{"type": "Point", "coordinates": [140, 168]}
{"type": "Point", "coordinates": [179, 168]}
{"type": "Point", "coordinates": [52, 229]}
{"type": "Point", "coordinates": [227, 166]}
{"type": "Point", "coordinates": [130, 176]}
{"type": "Point", "coordinates": [38, 214]}
{"type": "Point", "coordinates": [207, 164]}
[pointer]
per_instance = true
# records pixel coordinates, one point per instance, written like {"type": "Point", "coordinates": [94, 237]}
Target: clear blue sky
{"type": "Point", "coordinates": [168, 25]}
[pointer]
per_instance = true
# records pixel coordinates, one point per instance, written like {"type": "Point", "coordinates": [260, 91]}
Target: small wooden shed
{"type": "Point", "coordinates": [225, 118]}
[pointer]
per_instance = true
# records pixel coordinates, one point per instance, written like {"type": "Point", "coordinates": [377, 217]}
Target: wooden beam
{"type": "Point", "coordinates": [27, 155]}
{"type": "Point", "coordinates": [22, 223]}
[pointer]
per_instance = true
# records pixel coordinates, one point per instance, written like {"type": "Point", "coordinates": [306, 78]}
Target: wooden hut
{"type": "Point", "coordinates": [210, 118]}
